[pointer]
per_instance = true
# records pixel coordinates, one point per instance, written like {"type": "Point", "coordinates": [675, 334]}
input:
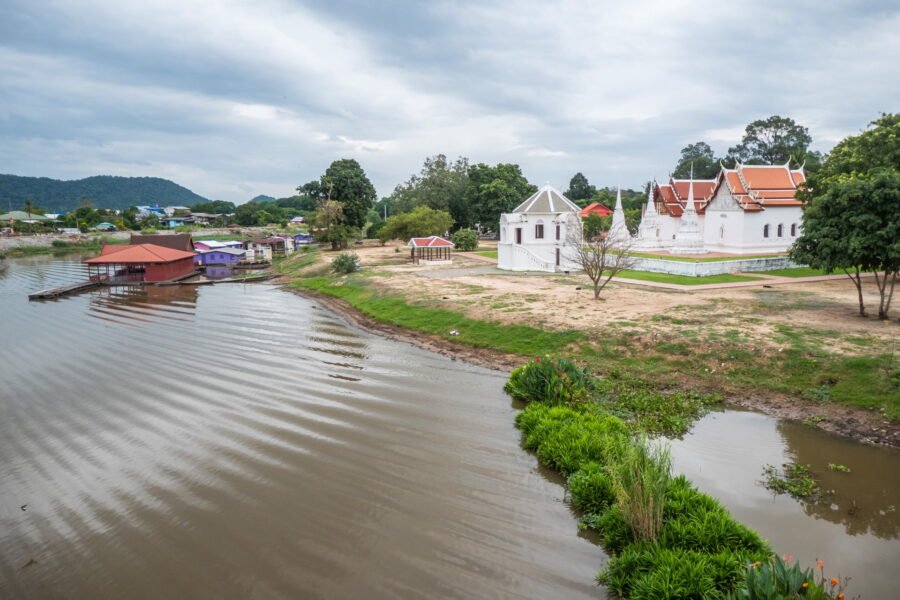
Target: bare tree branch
{"type": "Point", "coordinates": [601, 258]}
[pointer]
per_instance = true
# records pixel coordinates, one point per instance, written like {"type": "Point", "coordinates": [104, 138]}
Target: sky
{"type": "Point", "coordinates": [234, 98]}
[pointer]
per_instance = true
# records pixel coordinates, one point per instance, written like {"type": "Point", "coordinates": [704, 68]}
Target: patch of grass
{"type": "Point", "coordinates": [684, 279]}
{"type": "Point", "coordinates": [691, 259]}
{"type": "Point", "coordinates": [488, 253]}
{"type": "Point", "coordinates": [838, 468]}
{"type": "Point", "coordinates": [219, 237]}
{"type": "Point", "coordinates": [513, 339]}
{"type": "Point", "coordinates": [797, 272]}
{"type": "Point", "coordinates": [793, 479]}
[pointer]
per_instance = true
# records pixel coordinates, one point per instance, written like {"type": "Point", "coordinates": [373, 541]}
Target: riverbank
{"type": "Point", "coordinates": [16, 247]}
{"type": "Point", "coordinates": [804, 377]}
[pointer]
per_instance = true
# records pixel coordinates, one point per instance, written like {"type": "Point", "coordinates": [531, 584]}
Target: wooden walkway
{"type": "Point", "coordinates": [72, 288]}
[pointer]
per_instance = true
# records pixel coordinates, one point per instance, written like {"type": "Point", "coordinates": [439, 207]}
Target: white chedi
{"type": "Point", "coordinates": [648, 233]}
{"type": "Point", "coordinates": [689, 238]}
{"type": "Point", "coordinates": [618, 231]}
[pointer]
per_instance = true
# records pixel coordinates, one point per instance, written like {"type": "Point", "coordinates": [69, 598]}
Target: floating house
{"type": "Point", "coordinates": [137, 263]}
{"type": "Point", "coordinates": [266, 248]}
{"type": "Point", "coordinates": [430, 250]}
{"type": "Point", "coordinates": [220, 256]}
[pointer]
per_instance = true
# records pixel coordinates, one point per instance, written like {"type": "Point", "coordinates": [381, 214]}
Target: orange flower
{"type": "Point", "coordinates": [820, 564]}
{"type": "Point", "coordinates": [805, 584]}
{"type": "Point", "coordinates": [834, 581]}
{"type": "Point", "coordinates": [841, 596]}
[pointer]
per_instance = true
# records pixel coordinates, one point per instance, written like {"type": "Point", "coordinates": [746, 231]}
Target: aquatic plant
{"type": "Point", "coordinates": [551, 380]}
{"type": "Point", "coordinates": [780, 578]}
{"type": "Point", "coordinates": [794, 479]}
{"type": "Point", "coordinates": [838, 468]}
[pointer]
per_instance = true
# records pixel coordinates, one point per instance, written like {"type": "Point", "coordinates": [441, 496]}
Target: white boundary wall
{"type": "Point", "coordinates": [718, 267]}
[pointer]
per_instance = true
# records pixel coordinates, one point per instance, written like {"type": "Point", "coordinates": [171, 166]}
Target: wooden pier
{"type": "Point", "coordinates": [65, 290]}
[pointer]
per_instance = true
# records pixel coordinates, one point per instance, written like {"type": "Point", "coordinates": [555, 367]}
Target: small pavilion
{"type": "Point", "coordinates": [430, 250]}
{"type": "Point", "coordinates": [139, 263]}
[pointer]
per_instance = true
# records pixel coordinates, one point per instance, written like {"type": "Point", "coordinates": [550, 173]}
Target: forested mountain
{"type": "Point", "coordinates": [103, 191]}
{"type": "Point", "coordinates": [263, 198]}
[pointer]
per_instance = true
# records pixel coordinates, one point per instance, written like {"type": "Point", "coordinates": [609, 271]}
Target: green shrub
{"type": "Point", "coordinates": [465, 240]}
{"type": "Point", "coordinates": [554, 381]}
{"type": "Point", "coordinates": [345, 263]}
{"type": "Point", "coordinates": [590, 488]}
{"type": "Point", "coordinates": [640, 480]}
{"type": "Point", "coordinates": [612, 527]}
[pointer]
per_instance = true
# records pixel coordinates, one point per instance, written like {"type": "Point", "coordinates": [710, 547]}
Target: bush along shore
{"type": "Point", "coordinates": [666, 538]}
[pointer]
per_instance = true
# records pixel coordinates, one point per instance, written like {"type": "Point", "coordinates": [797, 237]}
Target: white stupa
{"type": "Point", "coordinates": [689, 239]}
{"type": "Point", "coordinates": [648, 234]}
{"type": "Point", "coordinates": [618, 231]}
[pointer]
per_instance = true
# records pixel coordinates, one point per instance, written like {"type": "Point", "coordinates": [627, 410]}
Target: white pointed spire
{"type": "Point", "coordinates": [651, 205]}
{"type": "Point", "coordinates": [618, 231]}
{"type": "Point", "coordinates": [689, 239]}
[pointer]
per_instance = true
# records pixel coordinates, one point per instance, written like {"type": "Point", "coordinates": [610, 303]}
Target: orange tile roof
{"type": "Point", "coordinates": [596, 208]}
{"type": "Point", "coordinates": [757, 186]}
{"type": "Point", "coordinates": [430, 242]}
{"type": "Point", "coordinates": [137, 253]}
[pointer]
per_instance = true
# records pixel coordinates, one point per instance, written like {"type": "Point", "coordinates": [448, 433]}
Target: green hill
{"type": "Point", "coordinates": [103, 191]}
{"type": "Point", "coordinates": [262, 198]}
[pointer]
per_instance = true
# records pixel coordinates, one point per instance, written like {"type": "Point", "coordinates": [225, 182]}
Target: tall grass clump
{"type": "Point", "coordinates": [640, 480]}
{"type": "Point", "coordinates": [552, 381]}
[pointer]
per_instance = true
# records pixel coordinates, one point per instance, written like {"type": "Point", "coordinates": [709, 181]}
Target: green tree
{"type": "Point", "coordinates": [580, 190]}
{"type": "Point", "coordinates": [772, 141]}
{"type": "Point", "coordinates": [419, 222]}
{"type": "Point", "coordinates": [245, 214]}
{"type": "Point", "coordinates": [854, 226]}
{"type": "Point", "coordinates": [465, 240]}
{"type": "Point", "coordinates": [701, 157]}
{"type": "Point", "coordinates": [496, 190]}
{"type": "Point", "coordinates": [331, 225]}
{"type": "Point", "coordinates": [441, 185]}
{"type": "Point", "coordinates": [214, 207]}
{"type": "Point", "coordinates": [29, 210]}
{"type": "Point", "coordinates": [345, 181]}
{"type": "Point", "coordinates": [594, 224]}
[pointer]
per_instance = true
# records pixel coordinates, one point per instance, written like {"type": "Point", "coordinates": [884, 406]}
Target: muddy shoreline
{"type": "Point", "coordinates": [858, 424]}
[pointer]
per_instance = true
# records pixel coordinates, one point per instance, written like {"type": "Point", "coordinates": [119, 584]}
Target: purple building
{"type": "Point", "coordinates": [220, 256]}
{"type": "Point", "coordinates": [203, 245]}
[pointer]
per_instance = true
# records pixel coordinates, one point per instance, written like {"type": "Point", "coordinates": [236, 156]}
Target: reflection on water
{"type": "Point", "coordinates": [235, 441]}
{"type": "Point", "coordinates": [855, 531]}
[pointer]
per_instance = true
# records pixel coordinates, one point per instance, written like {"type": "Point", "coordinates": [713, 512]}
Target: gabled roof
{"type": "Point", "coordinates": [433, 241]}
{"type": "Point", "coordinates": [596, 208]}
{"type": "Point", "coordinates": [673, 196]}
{"type": "Point", "coordinates": [21, 215]}
{"type": "Point", "coordinates": [756, 187]}
{"type": "Point", "coordinates": [137, 253]}
{"type": "Point", "coordinates": [547, 200]}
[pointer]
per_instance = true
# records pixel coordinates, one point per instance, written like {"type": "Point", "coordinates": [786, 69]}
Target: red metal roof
{"type": "Point", "coordinates": [430, 242]}
{"type": "Point", "coordinates": [596, 208]}
{"type": "Point", "coordinates": [137, 253]}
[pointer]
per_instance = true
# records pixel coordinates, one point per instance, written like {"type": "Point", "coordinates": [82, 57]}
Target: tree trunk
{"type": "Point", "coordinates": [886, 290]}
{"type": "Point", "coordinates": [858, 283]}
{"type": "Point", "coordinates": [887, 307]}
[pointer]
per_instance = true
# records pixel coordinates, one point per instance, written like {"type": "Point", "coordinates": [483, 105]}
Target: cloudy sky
{"type": "Point", "coordinates": [234, 98]}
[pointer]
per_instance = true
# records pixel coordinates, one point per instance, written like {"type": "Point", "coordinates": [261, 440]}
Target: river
{"type": "Point", "coordinates": [237, 441]}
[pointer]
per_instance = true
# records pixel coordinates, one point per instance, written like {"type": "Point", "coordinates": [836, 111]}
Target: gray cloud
{"type": "Point", "coordinates": [235, 99]}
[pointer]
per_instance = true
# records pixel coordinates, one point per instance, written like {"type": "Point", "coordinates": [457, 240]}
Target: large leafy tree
{"type": "Point", "coordinates": [580, 190]}
{"type": "Point", "coordinates": [441, 184]}
{"type": "Point", "coordinates": [496, 190]}
{"type": "Point", "coordinates": [699, 156]}
{"type": "Point", "coordinates": [419, 222]}
{"type": "Point", "coordinates": [773, 141]}
{"type": "Point", "coordinates": [345, 181]}
{"type": "Point", "coordinates": [859, 176]}
{"type": "Point", "coordinates": [855, 227]}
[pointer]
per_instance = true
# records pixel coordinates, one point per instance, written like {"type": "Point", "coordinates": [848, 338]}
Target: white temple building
{"type": "Point", "coordinates": [751, 209]}
{"type": "Point", "coordinates": [537, 235]}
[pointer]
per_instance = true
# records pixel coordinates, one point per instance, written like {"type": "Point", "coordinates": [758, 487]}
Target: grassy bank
{"type": "Point", "coordinates": [60, 247]}
{"type": "Point", "coordinates": [666, 538]}
{"type": "Point", "coordinates": [699, 258]}
{"type": "Point", "coordinates": [684, 279]}
{"type": "Point", "coordinates": [668, 351]}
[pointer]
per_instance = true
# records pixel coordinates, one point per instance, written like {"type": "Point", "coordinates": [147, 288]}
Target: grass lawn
{"type": "Point", "coordinates": [488, 253]}
{"type": "Point", "coordinates": [797, 272]}
{"type": "Point", "coordinates": [219, 237]}
{"type": "Point", "coordinates": [685, 279]}
{"type": "Point", "coordinates": [699, 259]}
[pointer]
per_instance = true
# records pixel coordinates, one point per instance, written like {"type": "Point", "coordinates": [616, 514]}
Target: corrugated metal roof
{"type": "Point", "coordinates": [547, 200]}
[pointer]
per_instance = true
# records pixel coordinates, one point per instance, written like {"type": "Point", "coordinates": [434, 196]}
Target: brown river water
{"type": "Point", "coordinates": [237, 441]}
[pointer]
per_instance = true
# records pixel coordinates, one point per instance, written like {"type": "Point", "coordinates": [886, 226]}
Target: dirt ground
{"type": "Point", "coordinates": [474, 287]}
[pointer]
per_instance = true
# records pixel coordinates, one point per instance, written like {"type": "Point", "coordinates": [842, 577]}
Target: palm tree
{"type": "Point", "coordinates": [29, 208]}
